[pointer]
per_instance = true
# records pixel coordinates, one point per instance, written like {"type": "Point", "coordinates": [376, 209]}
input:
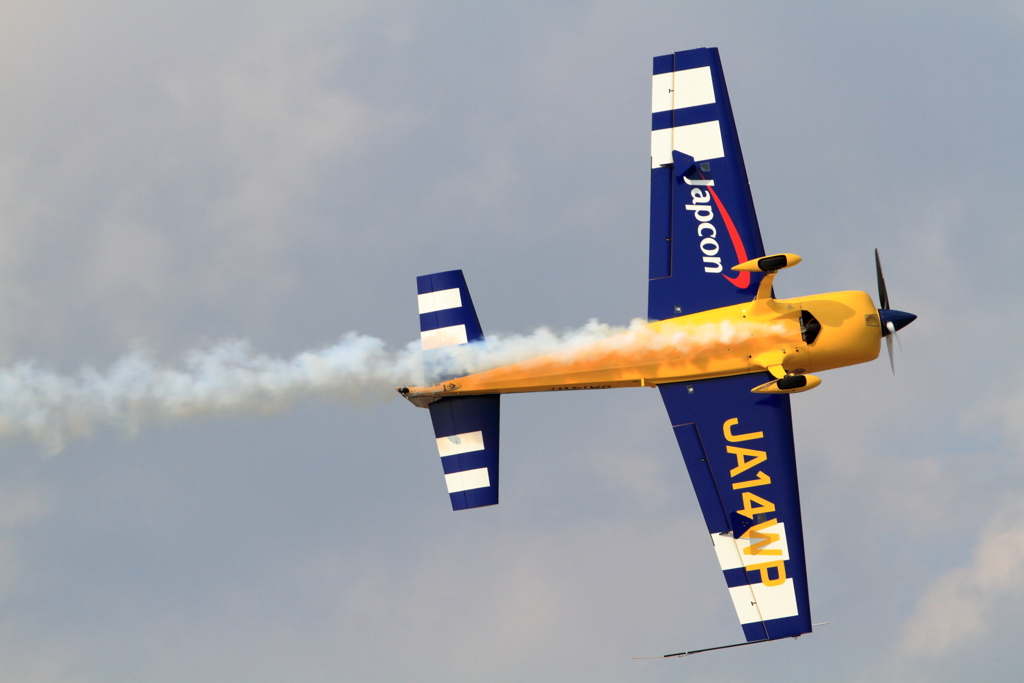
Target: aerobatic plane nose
{"type": "Point", "coordinates": [899, 320]}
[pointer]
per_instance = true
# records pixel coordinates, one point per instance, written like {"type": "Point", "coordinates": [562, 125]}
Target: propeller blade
{"type": "Point", "coordinates": [888, 345]}
{"type": "Point", "coordinates": [891, 320]}
{"type": "Point", "coordinates": [883, 295]}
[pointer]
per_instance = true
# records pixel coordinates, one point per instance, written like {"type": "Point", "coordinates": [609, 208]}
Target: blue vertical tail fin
{"type": "Point", "coordinates": [447, 319]}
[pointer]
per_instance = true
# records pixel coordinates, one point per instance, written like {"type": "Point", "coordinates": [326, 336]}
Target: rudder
{"type": "Point", "coordinates": [447, 318]}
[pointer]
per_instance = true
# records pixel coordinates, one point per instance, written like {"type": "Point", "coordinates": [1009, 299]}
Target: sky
{"type": "Point", "coordinates": [252, 187]}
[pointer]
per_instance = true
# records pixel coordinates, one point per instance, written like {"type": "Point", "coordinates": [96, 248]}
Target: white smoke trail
{"type": "Point", "coordinates": [52, 409]}
{"type": "Point", "coordinates": [501, 350]}
{"type": "Point", "coordinates": [598, 340]}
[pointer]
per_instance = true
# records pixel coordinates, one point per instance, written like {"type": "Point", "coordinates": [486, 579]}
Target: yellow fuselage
{"type": "Point", "coordinates": [764, 334]}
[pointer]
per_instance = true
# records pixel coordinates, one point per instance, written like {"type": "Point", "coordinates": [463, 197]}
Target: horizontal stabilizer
{"type": "Point", "coordinates": [466, 429]}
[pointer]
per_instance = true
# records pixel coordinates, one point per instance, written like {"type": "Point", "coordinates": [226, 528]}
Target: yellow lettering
{"type": "Point", "coordinates": [749, 510]}
{"type": "Point", "coordinates": [729, 436]}
{"type": "Point", "coordinates": [761, 539]}
{"type": "Point", "coordinates": [780, 568]}
{"type": "Point", "coordinates": [761, 480]}
{"type": "Point", "coordinates": [742, 463]}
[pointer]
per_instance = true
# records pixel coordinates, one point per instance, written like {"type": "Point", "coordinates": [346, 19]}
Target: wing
{"type": "Point", "coordinates": [702, 214]}
{"type": "Point", "coordinates": [738, 449]}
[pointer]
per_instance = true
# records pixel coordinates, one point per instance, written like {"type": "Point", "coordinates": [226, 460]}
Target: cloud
{"type": "Point", "coordinates": [269, 117]}
{"type": "Point", "coordinates": [18, 508]}
{"type": "Point", "coordinates": [957, 609]}
{"type": "Point", "coordinates": [997, 412]}
{"type": "Point", "coordinates": [145, 170]}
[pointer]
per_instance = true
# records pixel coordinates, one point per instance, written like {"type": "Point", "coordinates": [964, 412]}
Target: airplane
{"type": "Point", "coordinates": [724, 353]}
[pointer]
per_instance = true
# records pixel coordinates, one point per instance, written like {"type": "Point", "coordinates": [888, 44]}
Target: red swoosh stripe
{"type": "Point", "coordinates": [743, 279]}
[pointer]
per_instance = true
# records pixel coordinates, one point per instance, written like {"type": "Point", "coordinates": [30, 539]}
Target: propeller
{"type": "Point", "coordinates": [892, 320]}
{"type": "Point", "coordinates": [883, 295]}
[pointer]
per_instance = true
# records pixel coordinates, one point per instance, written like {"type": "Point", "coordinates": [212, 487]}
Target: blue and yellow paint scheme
{"type": "Point", "coordinates": [724, 353]}
{"type": "Point", "coordinates": [762, 335]}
